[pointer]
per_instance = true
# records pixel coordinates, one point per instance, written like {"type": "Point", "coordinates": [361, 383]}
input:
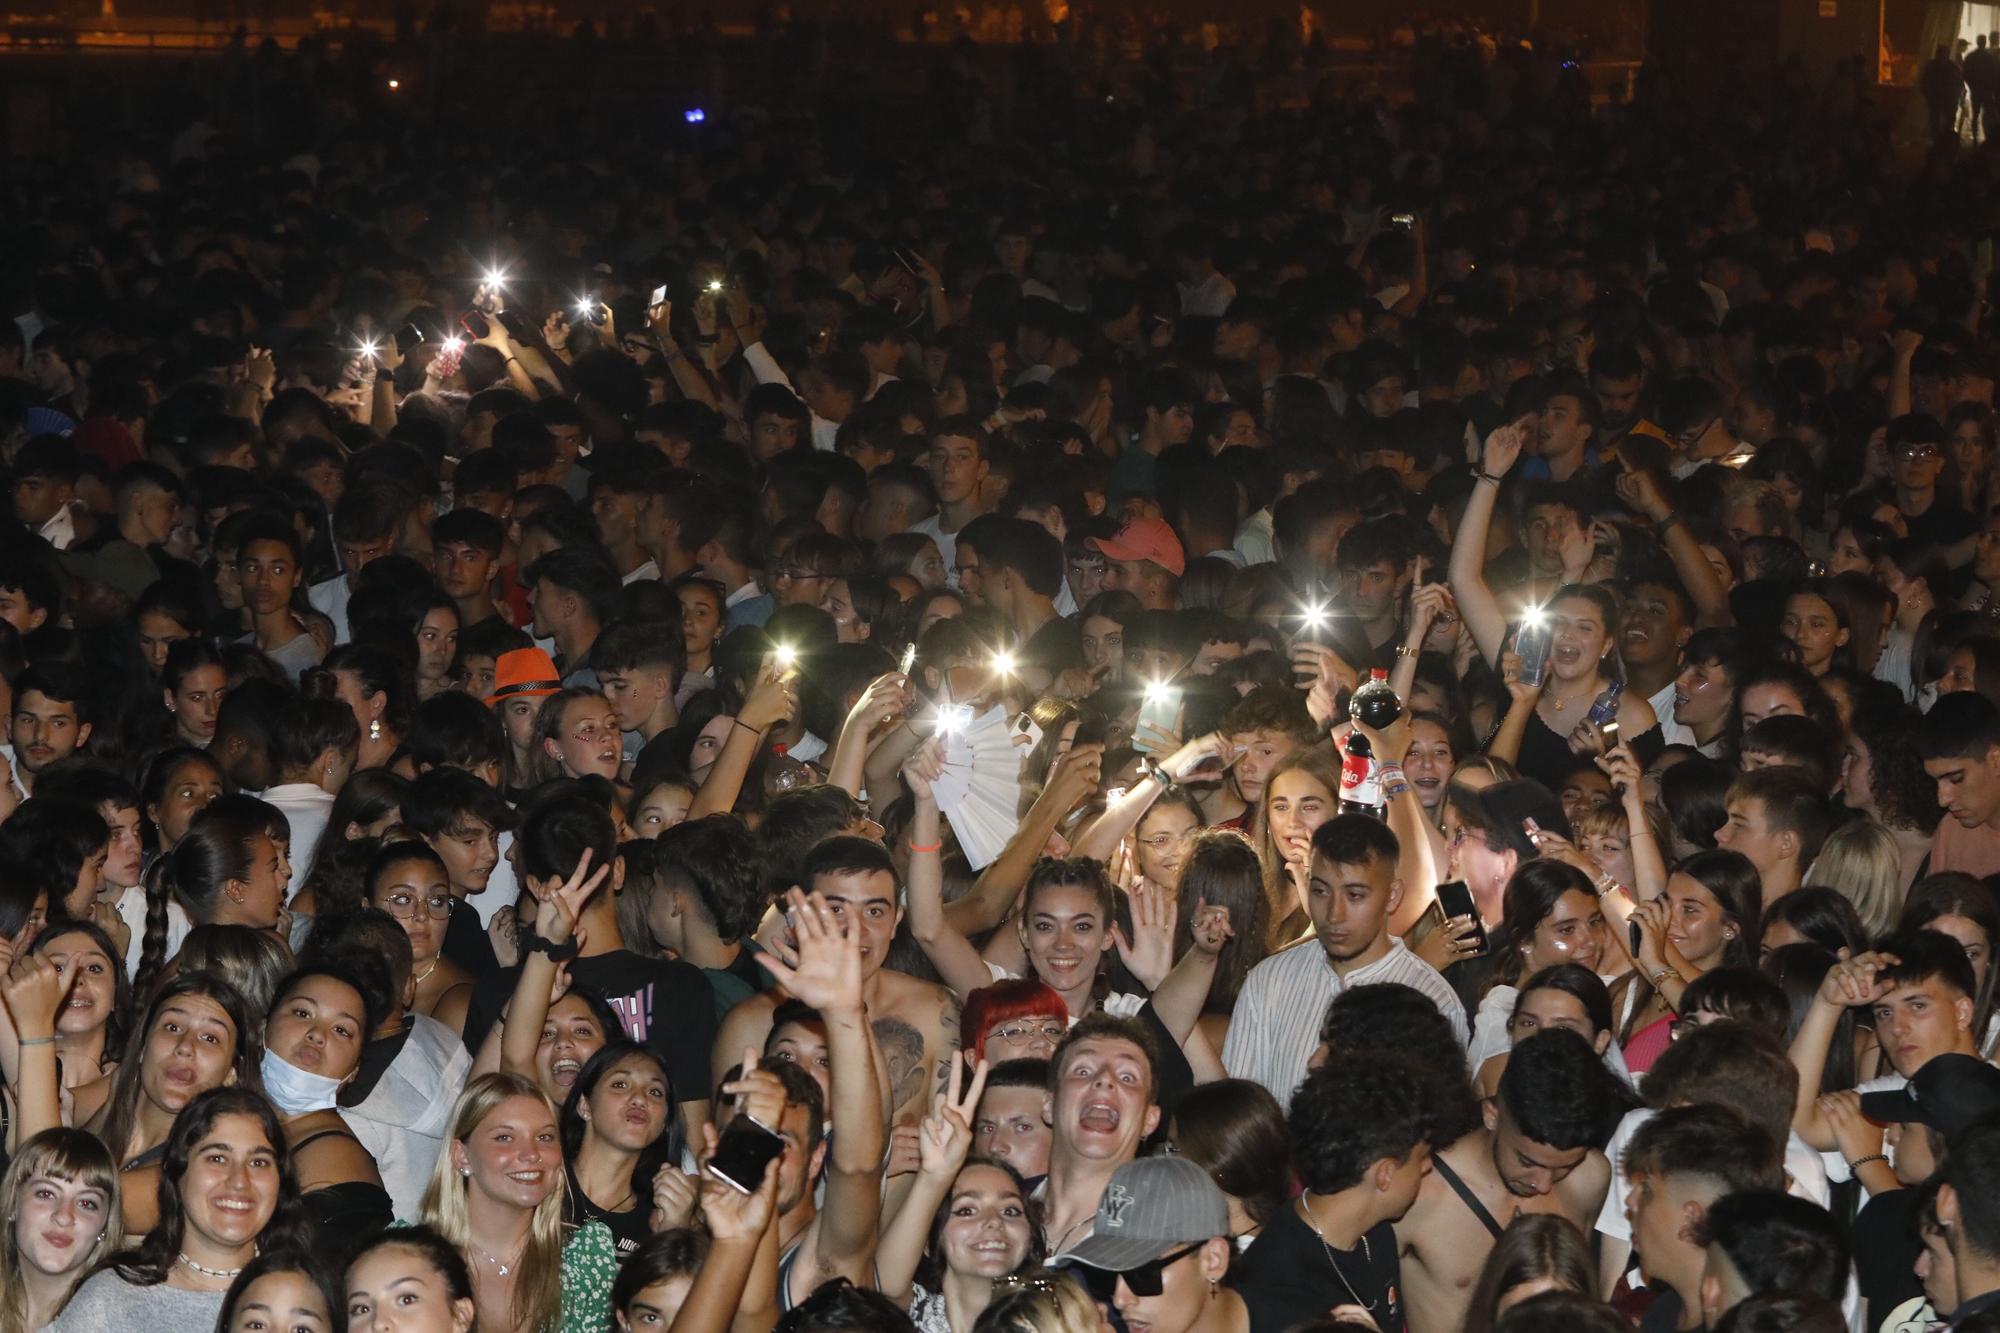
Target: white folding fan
{"type": "Point", "coordinates": [979, 790]}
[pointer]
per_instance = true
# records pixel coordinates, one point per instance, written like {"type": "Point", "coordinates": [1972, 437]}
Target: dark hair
{"type": "Point", "coordinates": [1531, 895]}
{"type": "Point", "coordinates": [1559, 1093]}
{"type": "Point", "coordinates": [930, 1271]}
{"type": "Point", "coordinates": [572, 1126]}
{"type": "Point", "coordinates": [663, 1255]}
{"type": "Point", "coordinates": [115, 1030]}
{"type": "Point", "coordinates": [1390, 1019]}
{"type": "Point", "coordinates": [122, 1104]}
{"type": "Point", "coordinates": [1905, 795]}
{"type": "Point", "coordinates": [1826, 917]}
{"type": "Point", "coordinates": [1792, 804]}
{"type": "Point", "coordinates": [1731, 1064]}
{"type": "Point", "coordinates": [1235, 1130]}
{"type": "Point", "coordinates": [437, 800]}
{"type": "Point", "coordinates": [443, 1256]}
{"type": "Point", "coordinates": [1534, 1246]}
{"type": "Point", "coordinates": [1580, 984]}
{"type": "Point", "coordinates": [155, 1256]}
{"type": "Point", "coordinates": [285, 1259]}
{"type": "Point", "coordinates": [1099, 1026]}
{"type": "Point", "coordinates": [1572, 1312]}
{"type": "Point", "coordinates": [1972, 1170]}
{"type": "Point", "coordinates": [1354, 1111]}
{"type": "Point", "coordinates": [317, 726]}
{"type": "Point", "coordinates": [716, 859]}
{"type": "Point", "coordinates": [216, 849]}
{"type": "Point", "coordinates": [584, 572]}
{"type": "Point", "coordinates": [1709, 1141]}
{"type": "Point", "coordinates": [1949, 894]}
{"type": "Point", "coordinates": [1741, 993]}
{"type": "Point", "coordinates": [1794, 1312]}
{"type": "Point", "coordinates": [47, 841]}
{"type": "Point", "coordinates": [1923, 954]}
{"type": "Point", "coordinates": [1694, 793]}
{"type": "Point", "coordinates": [1737, 888]}
{"type": "Point", "coordinates": [1962, 725]}
{"type": "Point", "coordinates": [845, 855]}
{"type": "Point", "coordinates": [839, 1304]}
{"type": "Point", "coordinates": [557, 828]}
{"type": "Point", "coordinates": [1222, 868]}
{"type": "Point", "coordinates": [1356, 840]}
{"type": "Point", "coordinates": [455, 730]}
{"type": "Point", "coordinates": [1779, 1243]}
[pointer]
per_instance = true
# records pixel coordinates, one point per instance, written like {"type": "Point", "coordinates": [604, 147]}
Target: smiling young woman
{"type": "Point", "coordinates": [60, 1197]}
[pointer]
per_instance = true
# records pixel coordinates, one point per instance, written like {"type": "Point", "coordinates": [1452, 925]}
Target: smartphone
{"type": "Point", "coordinates": [741, 1154]}
{"type": "Point", "coordinates": [1633, 927]}
{"type": "Point", "coordinates": [1162, 708]}
{"type": "Point", "coordinates": [1532, 643]}
{"type": "Point", "coordinates": [1454, 899]}
{"type": "Point", "coordinates": [953, 717]}
{"type": "Point", "coordinates": [475, 324]}
{"type": "Point", "coordinates": [906, 259]}
{"type": "Point", "coordinates": [1402, 221]}
{"type": "Point", "coordinates": [407, 337]}
{"type": "Point", "coordinates": [659, 296]}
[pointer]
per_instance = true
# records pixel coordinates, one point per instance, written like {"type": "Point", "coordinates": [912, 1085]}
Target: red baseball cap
{"type": "Point", "coordinates": [1145, 539]}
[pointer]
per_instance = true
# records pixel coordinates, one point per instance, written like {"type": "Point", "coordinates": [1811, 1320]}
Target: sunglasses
{"type": "Point", "coordinates": [1145, 1280]}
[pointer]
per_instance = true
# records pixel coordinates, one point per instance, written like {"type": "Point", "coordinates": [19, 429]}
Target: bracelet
{"type": "Point", "coordinates": [1660, 976]}
{"type": "Point", "coordinates": [1860, 1162]}
{"type": "Point", "coordinates": [558, 953]}
{"type": "Point", "coordinates": [1666, 524]}
{"type": "Point", "coordinates": [1488, 476]}
{"type": "Point", "coordinates": [1388, 768]}
{"type": "Point", "coordinates": [919, 851]}
{"type": "Point", "coordinates": [35, 1041]}
{"type": "Point", "coordinates": [1404, 650]}
{"type": "Point", "coordinates": [1606, 884]}
{"type": "Point", "coordinates": [739, 722]}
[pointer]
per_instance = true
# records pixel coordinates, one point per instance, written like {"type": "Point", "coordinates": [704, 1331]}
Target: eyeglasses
{"type": "Point", "coordinates": [404, 906]}
{"type": "Point", "coordinates": [1917, 453]}
{"type": "Point", "coordinates": [1052, 1030]}
{"type": "Point", "coordinates": [1145, 1280]}
{"type": "Point", "coordinates": [794, 575]}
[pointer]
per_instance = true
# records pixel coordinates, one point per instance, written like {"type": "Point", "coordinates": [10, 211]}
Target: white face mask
{"type": "Point", "coordinates": [294, 1091]}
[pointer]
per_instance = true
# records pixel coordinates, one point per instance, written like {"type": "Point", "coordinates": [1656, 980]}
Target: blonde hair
{"type": "Point", "coordinates": [538, 1288]}
{"type": "Point", "coordinates": [1861, 862]}
{"type": "Point", "coordinates": [1322, 766]}
{"type": "Point", "coordinates": [1038, 1302]}
{"type": "Point", "coordinates": [70, 1155]}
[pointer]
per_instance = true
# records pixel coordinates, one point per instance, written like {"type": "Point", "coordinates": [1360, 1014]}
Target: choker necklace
{"type": "Point", "coordinates": [208, 1272]}
{"type": "Point", "coordinates": [420, 977]}
{"type": "Point", "coordinates": [1305, 1206]}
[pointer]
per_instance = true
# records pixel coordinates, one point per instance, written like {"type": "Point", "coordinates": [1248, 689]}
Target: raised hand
{"type": "Point", "coordinates": [504, 933]}
{"type": "Point", "coordinates": [1503, 447]}
{"type": "Point", "coordinates": [1854, 1134]}
{"type": "Point", "coordinates": [923, 768]}
{"type": "Point", "coordinates": [945, 1137]}
{"type": "Point", "coordinates": [1510, 675]}
{"type": "Point", "coordinates": [558, 912]}
{"type": "Point", "coordinates": [886, 699]}
{"type": "Point", "coordinates": [1313, 662]}
{"type": "Point", "coordinates": [1642, 494]}
{"type": "Point", "coordinates": [1210, 929]}
{"type": "Point", "coordinates": [675, 1196]}
{"type": "Point", "coordinates": [772, 699]}
{"type": "Point", "coordinates": [758, 1095]}
{"type": "Point", "coordinates": [1077, 774]}
{"type": "Point", "coordinates": [1622, 767]}
{"type": "Point", "coordinates": [733, 1216]}
{"type": "Point", "coordinates": [1853, 982]}
{"type": "Point", "coordinates": [1149, 952]}
{"type": "Point", "coordinates": [1651, 918]}
{"type": "Point", "coordinates": [1190, 758]}
{"type": "Point", "coordinates": [828, 973]}
{"type": "Point", "coordinates": [35, 989]}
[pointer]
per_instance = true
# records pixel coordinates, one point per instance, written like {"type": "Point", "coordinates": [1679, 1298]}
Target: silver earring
{"type": "Point", "coordinates": [375, 730]}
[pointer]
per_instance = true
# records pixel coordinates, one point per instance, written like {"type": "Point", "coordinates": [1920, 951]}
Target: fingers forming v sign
{"type": "Point", "coordinates": [947, 1130]}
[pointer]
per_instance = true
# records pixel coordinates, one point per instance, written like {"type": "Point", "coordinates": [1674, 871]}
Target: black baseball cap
{"type": "Point", "coordinates": [1949, 1093]}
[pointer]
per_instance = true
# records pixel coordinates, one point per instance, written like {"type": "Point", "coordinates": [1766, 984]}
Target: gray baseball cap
{"type": "Point", "coordinates": [1152, 1207]}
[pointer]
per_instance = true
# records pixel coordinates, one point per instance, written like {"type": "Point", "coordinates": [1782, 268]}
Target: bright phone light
{"type": "Point", "coordinates": [394, 84]}
{"type": "Point", "coordinates": [1004, 663]}
{"type": "Point", "coordinates": [369, 348]}
{"type": "Point", "coordinates": [496, 277]}
{"type": "Point", "coordinates": [1158, 691]}
{"type": "Point", "coordinates": [1314, 615]}
{"type": "Point", "coordinates": [694, 115]}
{"type": "Point", "coordinates": [586, 307]}
{"type": "Point", "coordinates": [454, 343]}
{"type": "Point", "coordinates": [784, 654]}
{"type": "Point", "coordinates": [1534, 617]}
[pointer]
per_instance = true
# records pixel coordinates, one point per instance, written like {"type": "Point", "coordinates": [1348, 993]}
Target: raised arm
{"type": "Point", "coordinates": [723, 1294]}
{"type": "Point", "coordinates": [957, 962]}
{"type": "Point", "coordinates": [1521, 700]}
{"type": "Point", "coordinates": [886, 699]}
{"type": "Point", "coordinates": [1848, 984]}
{"type": "Point", "coordinates": [1109, 829]}
{"type": "Point", "coordinates": [828, 977]}
{"type": "Point", "coordinates": [536, 988]}
{"type": "Point", "coordinates": [1641, 491]}
{"type": "Point", "coordinates": [999, 885]}
{"type": "Point", "coordinates": [943, 1141]}
{"type": "Point", "coordinates": [1179, 998]}
{"type": "Point", "coordinates": [1476, 602]}
{"type": "Point", "coordinates": [770, 702]}
{"type": "Point", "coordinates": [1649, 862]}
{"type": "Point", "coordinates": [35, 990]}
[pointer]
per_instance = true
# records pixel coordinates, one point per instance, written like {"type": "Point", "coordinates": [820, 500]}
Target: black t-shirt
{"type": "Point", "coordinates": [629, 1229]}
{"type": "Point", "coordinates": [665, 1003]}
{"type": "Point", "coordinates": [1886, 1245]}
{"type": "Point", "coordinates": [1941, 524]}
{"type": "Point", "coordinates": [1289, 1276]}
{"type": "Point", "coordinates": [466, 942]}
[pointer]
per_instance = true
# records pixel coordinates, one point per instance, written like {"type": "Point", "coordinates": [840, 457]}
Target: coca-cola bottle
{"type": "Point", "coordinates": [1376, 705]}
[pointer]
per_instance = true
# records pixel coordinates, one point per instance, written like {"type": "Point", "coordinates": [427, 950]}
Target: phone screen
{"type": "Point", "coordinates": [475, 324]}
{"type": "Point", "coordinates": [659, 295]}
{"type": "Point", "coordinates": [1454, 899]}
{"type": "Point", "coordinates": [741, 1154]}
{"type": "Point", "coordinates": [1162, 708]}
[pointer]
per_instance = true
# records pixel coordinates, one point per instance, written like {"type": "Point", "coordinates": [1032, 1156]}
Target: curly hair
{"type": "Point", "coordinates": [1354, 1111]}
{"type": "Point", "coordinates": [1905, 796]}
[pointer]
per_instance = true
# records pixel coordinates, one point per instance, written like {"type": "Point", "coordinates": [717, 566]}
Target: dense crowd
{"type": "Point", "coordinates": [1222, 713]}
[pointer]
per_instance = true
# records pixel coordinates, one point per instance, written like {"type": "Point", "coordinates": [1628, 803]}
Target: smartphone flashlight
{"type": "Point", "coordinates": [1534, 617]}
{"type": "Point", "coordinates": [1314, 615]}
{"type": "Point", "coordinates": [694, 115]}
{"type": "Point", "coordinates": [785, 655]}
{"type": "Point", "coordinates": [454, 343]}
{"type": "Point", "coordinates": [495, 277]}
{"type": "Point", "coordinates": [586, 307]}
{"type": "Point", "coordinates": [395, 84]}
{"type": "Point", "coordinates": [1004, 663]}
{"type": "Point", "coordinates": [1158, 691]}
{"type": "Point", "coordinates": [715, 284]}
{"type": "Point", "coordinates": [368, 348]}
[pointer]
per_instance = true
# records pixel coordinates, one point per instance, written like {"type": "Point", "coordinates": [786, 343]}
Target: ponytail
{"type": "Point", "coordinates": [159, 881]}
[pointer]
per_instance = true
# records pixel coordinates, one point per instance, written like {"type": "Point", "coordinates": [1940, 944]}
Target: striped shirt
{"type": "Point", "coordinates": [1275, 1027]}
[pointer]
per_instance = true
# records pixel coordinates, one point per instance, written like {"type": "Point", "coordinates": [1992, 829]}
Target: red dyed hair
{"type": "Point", "coordinates": [1002, 1002]}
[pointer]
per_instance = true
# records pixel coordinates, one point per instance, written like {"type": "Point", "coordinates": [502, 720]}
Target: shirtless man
{"type": "Point", "coordinates": [1541, 1152]}
{"type": "Point", "coordinates": [915, 1022]}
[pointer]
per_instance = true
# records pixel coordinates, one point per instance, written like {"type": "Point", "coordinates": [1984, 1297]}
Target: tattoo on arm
{"type": "Point", "coordinates": [948, 1014]}
{"type": "Point", "coordinates": [903, 1052]}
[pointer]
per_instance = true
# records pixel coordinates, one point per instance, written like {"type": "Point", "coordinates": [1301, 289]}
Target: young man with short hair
{"type": "Point", "coordinates": [315, 755]}
{"type": "Point", "coordinates": [1679, 1163]}
{"type": "Point", "coordinates": [1103, 1101]}
{"type": "Point", "coordinates": [915, 1022]}
{"type": "Point", "coordinates": [958, 468]}
{"type": "Point", "coordinates": [1353, 891]}
{"type": "Point", "coordinates": [466, 549]}
{"type": "Point", "coordinates": [1959, 739]}
{"type": "Point", "coordinates": [1539, 1152]}
{"type": "Point", "coordinates": [1777, 819]}
{"type": "Point", "coordinates": [268, 563]}
{"type": "Point", "coordinates": [49, 723]}
{"type": "Point", "coordinates": [1968, 1213]}
{"type": "Point", "coordinates": [1922, 1003]}
{"type": "Point", "coordinates": [1159, 1248]}
{"type": "Point", "coordinates": [1377, 564]}
{"type": "Point", "coordinates": [639, 665]}
{"type": "Point", "coordinates": [1767, 1241]}
{"type": "Point", "coordinates": [366, 523]}
{"type": "Point", "coordinates": [1146, 560]}
{"type": "Point", "coordinates": [1269, 724]}
{"type": "Point", "coordinates": [619, 501]}
{"type": "Point", "coordinates": [1011, 1122]}
{"type": "Point", "coordinates": [462, 820]}
{"type": "Point", "coordinates": [663, 1002]}
{"type": "Point", "coordinates": [1362, 1135]}
{"type": "Point", "coordinates": [714, 897]}
{"type": "Point", "coordinates": [573, 593]}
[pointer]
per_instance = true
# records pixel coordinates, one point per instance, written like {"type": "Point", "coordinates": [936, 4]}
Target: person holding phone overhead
{"type": "Point", "coordinates": [1582, 624]}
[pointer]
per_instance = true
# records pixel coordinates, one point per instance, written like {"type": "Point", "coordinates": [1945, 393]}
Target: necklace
{"type": "Point", "coordinates": [1367, 1258]}
{"type": "Point", "coordinates": [500, 1266]}
{"type": "Point", "coordinates": [1561, 703]}
{"type": "Point", "coordinates": [208, 1272]}
{"type": "Point", "coordinates": [420, 977]}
